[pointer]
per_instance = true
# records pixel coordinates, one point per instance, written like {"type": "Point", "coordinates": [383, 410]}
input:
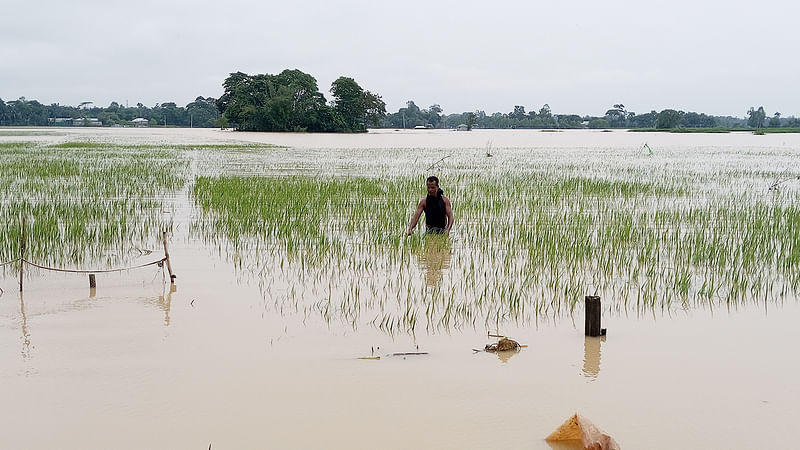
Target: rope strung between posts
{"type": "Point", "coordinates": [159, 262]}
{"type": "Point", "coordinates": [9, 262]}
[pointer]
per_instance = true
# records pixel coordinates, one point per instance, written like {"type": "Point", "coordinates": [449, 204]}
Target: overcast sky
{"type": "Point", "coordinates": [579, 56]}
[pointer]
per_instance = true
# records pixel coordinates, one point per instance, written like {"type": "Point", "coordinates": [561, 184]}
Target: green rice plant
{"type": "Point", "coordinates": [779, 130]}
{"type": "Point", "coordinates": [81, 144]}
{"type": "Point", "coordinates": [15, 145]}
{"type": "Point", "coordinates": [323, 230]}
{"type": "Point", "coordinates": [85, 204]}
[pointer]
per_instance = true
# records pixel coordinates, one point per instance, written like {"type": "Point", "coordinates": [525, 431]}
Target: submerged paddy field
{"type": "Point", "coordinates": [292, 262]}
{"type": "Point", "coordinates": [84, 202]}
{"type": "Point", "coordinates": [531, 239]}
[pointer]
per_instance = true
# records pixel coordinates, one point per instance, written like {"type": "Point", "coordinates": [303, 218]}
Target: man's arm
{"type": "Point", "coordinates": [415, 219]}
{"type": "Point", "coordinates": [448, 210]}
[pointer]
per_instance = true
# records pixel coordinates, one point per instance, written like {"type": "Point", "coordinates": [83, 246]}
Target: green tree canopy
{"type": "Point", "coordinates": [775, 121]}
{"type": "Point", "coordinates": [668, 118]}
{"type": "Point", "coordinates": [202, 112]}
{"type": "Point", "coordinates": [756, 117]}
{"type": "Point", "coordinates": [356, 107]}
{"type": "Point", "coordinates": [291, 101]}
{"type": "Point", "coordinates": [470, 119]}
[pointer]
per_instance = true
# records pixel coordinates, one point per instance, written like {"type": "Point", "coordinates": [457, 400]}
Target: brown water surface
{"type": "Point", "coordinates": [135, 364]}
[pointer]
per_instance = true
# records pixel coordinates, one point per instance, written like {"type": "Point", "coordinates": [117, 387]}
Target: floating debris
{"type": "Point", "coordinates": [579, 428]}
{"type": "Point", "coordinates": [503, 345]}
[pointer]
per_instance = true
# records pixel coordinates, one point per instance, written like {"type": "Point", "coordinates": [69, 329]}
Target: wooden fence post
{"type": "Point", "coordinates": [593, 312]}
{"type": "Point", "coordinates": [166, 258]}
{"type": "Point", "coordinates": [21, 253]}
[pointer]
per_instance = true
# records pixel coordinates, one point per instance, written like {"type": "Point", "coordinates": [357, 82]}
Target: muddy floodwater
{"type": "Point", "coordinates": [270, 340]}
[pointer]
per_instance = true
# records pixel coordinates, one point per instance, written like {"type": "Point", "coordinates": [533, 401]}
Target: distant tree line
{"type": "Point", "coordinates": [616, 117]}
{"type": "Point", "coordinates": [22, 112]}
{"type": "Point", "coordinates": [291, 101]}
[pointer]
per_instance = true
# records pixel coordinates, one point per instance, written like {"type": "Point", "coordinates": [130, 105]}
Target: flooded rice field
{"type": "Point", "coordinates": [302, 316]}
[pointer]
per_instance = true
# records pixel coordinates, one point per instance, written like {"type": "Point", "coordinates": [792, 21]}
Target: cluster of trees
{"type": "Point", "coordinates": [291, 101]}
{"type": "Point", "coordinates": [615, 117]}
{"type": "Point", "coordinates": [619, 117]}
{"type": "Point", "coordinates": [757, 118]}
{"type": "Point", "coordinates": [412, 116]}
{"type": "Point", "coordinates": [22, 112]}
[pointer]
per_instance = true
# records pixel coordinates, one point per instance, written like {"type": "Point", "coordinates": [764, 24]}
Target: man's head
{"type": "Point", "coordinates": [433, 186]}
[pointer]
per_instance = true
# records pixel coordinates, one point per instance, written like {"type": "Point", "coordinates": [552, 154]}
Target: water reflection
{"type": "Point", "coordinates": [591, 355]}
{"type": "Point", "coordinates": [435, 257]}
{"type": "Point", "coordinates": [26, 335]}
{"type": "Point", "coordinates": [55, 306]}
{"type": "Point", "coordinates": [165, 303]}
{"type": "Point", "coordinates": [575, 444]}
{"type": "Point", "coordinates": [506, 355]}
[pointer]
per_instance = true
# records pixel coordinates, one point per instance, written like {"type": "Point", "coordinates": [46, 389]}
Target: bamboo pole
{"type": "Point", "coordinates": [166, 257]}
{"type": "Point", "coordinates": [21, 253]}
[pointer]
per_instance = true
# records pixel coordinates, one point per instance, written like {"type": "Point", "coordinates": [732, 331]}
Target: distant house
{"type": "Point", "coordinates": [462, 127]}
{"type": "Point", "coordinates": [87, 122]}
{"type": "Point", "coordinates": [140, 122]}
{"type": "Point", "coordinates": [70, 122]}
{"type": "Point", "coordinates": [60, 121]}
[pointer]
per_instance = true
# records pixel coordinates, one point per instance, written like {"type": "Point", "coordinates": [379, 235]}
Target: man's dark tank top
{"type": "Point", "coordinates": [435, 216]}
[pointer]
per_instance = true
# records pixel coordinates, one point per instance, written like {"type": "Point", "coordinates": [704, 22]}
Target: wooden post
{"type": "Point", "coordinates": [593, 312]}
{"type": "Point", "coordinates": [166, 257]}
{"type": "Point", "coordinates": [92, 281]}
{"type": "Point", "coordinates": [21, 253]}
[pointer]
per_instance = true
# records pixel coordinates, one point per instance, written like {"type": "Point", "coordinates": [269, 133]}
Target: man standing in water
{"type": "Point", "coordinates": [438, 213]}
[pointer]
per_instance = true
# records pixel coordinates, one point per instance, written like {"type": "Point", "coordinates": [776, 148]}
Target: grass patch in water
{"type": "Point", "coordinates": [82, 144]}
{"type": "Point", "coordinates": [776, 130]}
{"type": "Point", "coordinates": [85, 204]}
{"type": "Point", "coordinates": [528, 244]}
{"type": "Point", "coordinates": [685, 130]}
{"type": "Point", "coordinates": [205, 146]}
{"type": "Point", "coordinates": [16, 145]}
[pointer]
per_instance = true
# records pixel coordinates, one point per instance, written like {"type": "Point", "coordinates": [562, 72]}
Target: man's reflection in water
{"type": "Point", "coordinates": [591, 355]}
{"type": "Point", "coordinates": [435, 256]}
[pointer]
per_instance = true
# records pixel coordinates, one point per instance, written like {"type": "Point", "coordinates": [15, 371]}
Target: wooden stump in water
{"type": "Point", "coordinates": [593, 312]}
{"type": "Point", "coordinates": [92, 281]}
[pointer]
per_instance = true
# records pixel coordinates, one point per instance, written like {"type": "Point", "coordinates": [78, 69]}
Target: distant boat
{"type": "Point", "coordinates": [424, 127]}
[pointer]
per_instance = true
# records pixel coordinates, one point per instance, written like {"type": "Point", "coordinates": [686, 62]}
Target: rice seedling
{"type": "Point", "coordinates": [84, 204]}
{"type": "Point", "coordinates": [81, 144]}
{"type": "Point", "coordinates": [322, 231]}
{"type": "Point", "coordinates": [532, 238]}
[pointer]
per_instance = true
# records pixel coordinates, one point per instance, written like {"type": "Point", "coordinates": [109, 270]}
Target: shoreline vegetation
{"type": "Point", "coordinates": [290, 101]}
{"type": "Point", "coordinates": [759, 131]}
